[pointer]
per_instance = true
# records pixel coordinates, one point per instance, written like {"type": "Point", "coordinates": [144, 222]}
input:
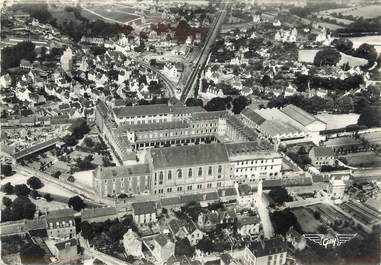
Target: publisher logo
{"type": "Point", "coordinates": [329, 240]}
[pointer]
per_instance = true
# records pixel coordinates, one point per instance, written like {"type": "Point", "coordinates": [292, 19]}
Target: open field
{"type": "Point", "coordinates": [372, 40]}
{"type": "Point", "coordinates": [370, 11]}
{"type": "Point", "coordinates": [363, 159]}
{"type": "Point", "coordinates": [372, 138]}
{"type": "Point", "coordinates": [308, 56]}
{"type": "Point", "coordinates": [114, 13]}
{"type": "Point", "coordinates": [84, 178]}
{"type": "Point", "coordinates": [48, 187]}
{"type": "Point", "coordinates": [337, 121]}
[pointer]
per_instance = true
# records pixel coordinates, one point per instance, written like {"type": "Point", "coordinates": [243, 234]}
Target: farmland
{"type": "Point", "coordinates": [371, 11]}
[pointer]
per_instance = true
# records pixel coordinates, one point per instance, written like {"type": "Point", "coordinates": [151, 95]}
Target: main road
{"type": "Point", "coordinates": [204, 53]}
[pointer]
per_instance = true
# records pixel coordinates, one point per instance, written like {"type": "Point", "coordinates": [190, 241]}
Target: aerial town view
{"type": "Point", "coordinates": [190, 132]}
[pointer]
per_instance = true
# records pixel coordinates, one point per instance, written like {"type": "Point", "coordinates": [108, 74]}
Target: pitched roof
{"type": "Point", "coordinates": [182, 156]}
{"type": "Point", "coordinates": [248, 220]}
{"type": "Point", "coordinates": [155, 109]}
{"type": "Point", "coordinates": [162, 240]}
{"type": "Point", "coordinates": [62, 245]}
{"type": "Point", "coordinates": [97, 212]}
{"type": "Point", "coordinates": [320, 151]}
{"type": "Point", "coordinates": [267, 247]}
{"type": "Point", "coordinates": [299, 115]}
{"type": "Point", "coordinates": [253, 116]}
{"type": "Point", "coordinates": [144, 207]}
{"type": "Point", "coordinates": [122, 171]}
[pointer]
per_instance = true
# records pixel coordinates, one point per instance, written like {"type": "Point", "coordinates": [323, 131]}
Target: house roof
{"type": "Point", "coordinates": [98, 212]}
{"type": "Point", "coordinates": [62, 245]}
{"type": "Point", "coordinates": [228, 192]}
{"type": "Point", "coordinates": [323, 151]}
{"type": "Point", "coordinates": [248, 220]}
{"type": "Point", "coordinates": [182, 156]}
{"type": "Point", "coordinates": [162, 240]}
{"type": "Point", "coordinates": [267, 247]}
{"type": "Point", "coordinates": [144, 207]}
{"type": "Point", "coordinates": [153, 126]}
{"type": "Point", "coordinates": [122, 171]}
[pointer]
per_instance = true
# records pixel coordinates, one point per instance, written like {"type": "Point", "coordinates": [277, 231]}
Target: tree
{"type": "Point", "coordinates": [89, 142]}
{"type": "Point", "coordinates": [194, 102]}
{"type": "Point", "coordinates": [6, 170]}
{"type": "Point", "coordinates": [48, 197]}
{"type": "Point", "coordinates": [35, 183]}
{"type": "Point", "coordinates": [85, 164]}
{"type": "Point", "coordinates": [327, 56]}
{"type": "Point", "coordinates": [7, 202]}
{"type": "Point", "coordinates": [79, 128]}
{"type": "Point", "coordinates": [22, 190]}
{"type": "Point", "coordinates": [280, 195]}
{"type": "Point", "coordinates": [216, 104]}
{"type": "Point", "coordinates": [34, 194]}
{"type": "Point", "coordinates": [11, 56]}
{"type": "Point", "coordinates": [239, 103]}
{"type": "Point", "coordinates": [7, 188]}
{"type": "Point", "coordinates": [370, 116]}
{"type": "Point", "coordinates": [183, 247]}
{"type": "Point", "coordinates": [22, 207]}
{"type": "Point", "coordinates": [86, 230]}
{"type": "Point", "coordinates": [205, 245]}
{"type": "Point", "coordinates": [29, 210]}
{"type": "Point", "coordinates": [367, 51]}
{"type": "Point", "coordinates": [32, 254]}
{"type": "Point", "coordinates": [266, 80]}
{"type": "Point", "coordinates": [116, 232]}
{"type": "Point", "coordinates": [76, 203]}
{"type": "Point", "coordinates": [283, 220]}
{"type": "Point", "coordinates": [317, 215]}
{"type": "Point", "coordinates": [343, 45]}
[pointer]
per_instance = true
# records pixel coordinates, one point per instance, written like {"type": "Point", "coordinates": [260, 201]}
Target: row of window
{"type": "Point", "coordinates": [251, 169]}
{"type": "Point", "coordinates": [187, 188]}
{"type": "Point", "coordinates": [253, 162]}
{"type": "Point", "coordinates": [179, 173]}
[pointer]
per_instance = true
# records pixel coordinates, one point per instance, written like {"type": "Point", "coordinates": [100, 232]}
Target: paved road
{"type": "Point", "coordinates": [264, 215]}
{"type": "Point", "coordinates": [204, 53]}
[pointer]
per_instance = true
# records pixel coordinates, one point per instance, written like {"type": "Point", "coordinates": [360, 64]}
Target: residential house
{"type": "Point", "coordinates": [297, 241]}
{"type": "Point", "coordinates": [99, 214]}
{"type": "Point", "coordinates": [163, 248]}
{"type": "Point", "coordinates": [132, 244]}
{"type": "Point", "coordinates": [64, 250]}
{"type": "Point", "coordinates": [61, 224]}
{"type": "Point", "coordinates": [268, 251]}
{"type": "Point", "coordinates": [336, 188]}
{"type": "Point", "coordinates": [248, 226]}
{"type": "Point", "coordinates": [188, 229]}
{"type": "Point", "coordinates": [144, 212]}
{"type": "Point", "coordinates": [322, 156]}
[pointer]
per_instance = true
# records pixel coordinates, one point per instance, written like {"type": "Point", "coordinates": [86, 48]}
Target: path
{"type": "Point", "coordinates": [264, 215]}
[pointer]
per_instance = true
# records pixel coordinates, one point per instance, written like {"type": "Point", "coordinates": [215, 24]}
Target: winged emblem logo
{"type": "Point", "coordinates": [329, 240]}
